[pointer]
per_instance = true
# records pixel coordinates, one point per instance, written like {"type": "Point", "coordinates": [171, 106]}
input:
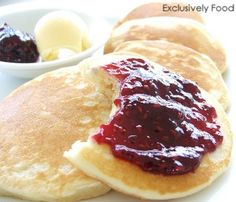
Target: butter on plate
{"type": "Point", "coordinates": [61, 34]}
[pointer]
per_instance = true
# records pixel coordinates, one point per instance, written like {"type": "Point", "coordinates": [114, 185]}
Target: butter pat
{"type": "Point", "coordinates": [59, 32]}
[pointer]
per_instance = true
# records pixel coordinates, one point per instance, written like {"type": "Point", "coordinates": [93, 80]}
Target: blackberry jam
{"type": "Point", "coordinates": [163, 124]}
{"type": "Point", "coordinates": [17, 46]}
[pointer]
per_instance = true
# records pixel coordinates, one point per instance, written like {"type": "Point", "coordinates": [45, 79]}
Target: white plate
{"type": "Point", "coordinates": [225, 185]}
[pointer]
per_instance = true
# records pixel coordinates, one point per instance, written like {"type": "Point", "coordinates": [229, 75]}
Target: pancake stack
{"type": "Point", "coordinates": [174, 40]}
{"type": "Point", "coordinates": [181, 43]}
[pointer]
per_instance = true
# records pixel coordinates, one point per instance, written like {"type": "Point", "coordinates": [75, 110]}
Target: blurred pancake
{"type": "Point", "coordinates": [183, 31]}
{"type": "Point", "coordinates": [155, 9]}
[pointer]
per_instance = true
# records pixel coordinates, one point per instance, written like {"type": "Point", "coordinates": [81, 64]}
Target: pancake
{"type": "Point", "coordinates": [183, 60]}
{"type": "Point", "coordinates": [97, 161]}
{"type": "Point", "coordinates": [183, 31]}
{"type": "Point", "coordinates": [154, 9]}
{"type": "Point", "coordinates": [38, 122]}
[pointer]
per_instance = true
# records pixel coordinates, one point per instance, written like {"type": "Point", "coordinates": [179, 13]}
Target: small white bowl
{"type": "Point", "coordinates": [25, 16]}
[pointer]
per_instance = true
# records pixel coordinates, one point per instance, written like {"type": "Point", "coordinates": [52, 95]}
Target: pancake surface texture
{"type": "Point", "coordinates": [38, 122]}
{"type": "Point", "coordinates": [97, 160]}
{"type": "Point", "coordinates": [183, 31]}
{"type": "Point", "coordinates": [184, 61]}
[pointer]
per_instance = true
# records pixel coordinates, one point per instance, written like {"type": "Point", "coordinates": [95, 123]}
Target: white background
{"type": "Point", "coordinates": [221, 24]}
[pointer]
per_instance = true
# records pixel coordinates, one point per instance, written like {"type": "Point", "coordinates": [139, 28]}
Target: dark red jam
{"type": "Point", "coordinates": [17, 46]}
{"type": "Point", "coordinates": [163, 124]}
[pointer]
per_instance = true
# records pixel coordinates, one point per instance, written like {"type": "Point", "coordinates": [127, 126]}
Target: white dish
{"type": "Point", "coordinates": [25, 19]}
{"type": "Point", "coordinates": [222, 187]}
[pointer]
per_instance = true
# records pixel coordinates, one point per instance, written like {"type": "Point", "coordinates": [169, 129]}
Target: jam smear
{"type": "Point", "coordinates": [163, 124]}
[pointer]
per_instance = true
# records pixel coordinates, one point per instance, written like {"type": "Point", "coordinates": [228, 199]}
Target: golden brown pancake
{"type": "Point", "coordinates": [97, 161]}
{"type": "Point", "coordinates": [38, 122]}
{"type": "Point", "coordinates": [183, 31]}
{"type": "Point", "coordinates": [183, 60]}
{"type": "Point", "coordinates": [155, 9]}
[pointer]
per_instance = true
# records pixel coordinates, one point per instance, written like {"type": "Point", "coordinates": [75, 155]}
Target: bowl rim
{"type": "Point", "coordinates": [31, 7]}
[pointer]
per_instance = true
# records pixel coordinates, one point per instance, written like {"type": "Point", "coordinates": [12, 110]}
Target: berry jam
{"type": "Point", "coordinates": [163, 124]}
{"type": "Point", "coordinates": [16, 46]}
